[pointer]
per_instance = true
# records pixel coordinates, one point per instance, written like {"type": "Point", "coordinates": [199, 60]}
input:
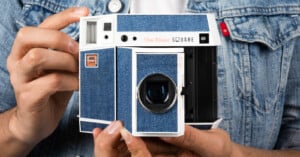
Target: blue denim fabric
{"type": "Point", "coordinates": [253, 70]}
{"type": "Point", "coordinates": [99, 95]}
{"type": "Point", "coordinates": [137, 24]}
{"type": "Point", "coordinates": [124, 63]}
{"type": "Point", "coordinates": [100, 90]}
{"type": "Point", "coordinates": [163, 64]}
{"type": "Point", "coordinates": [258, 70]}
{"type": "Point", "coordinates": [8, 31]}
{"type": "Point", "coordinates": [35, 11]}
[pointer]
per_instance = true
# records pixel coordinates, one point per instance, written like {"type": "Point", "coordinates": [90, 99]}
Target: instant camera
{"type": "Point", "coordinates": [155, 73]}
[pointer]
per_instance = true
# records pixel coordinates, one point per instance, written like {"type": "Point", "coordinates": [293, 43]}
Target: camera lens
{"type": "Point", "coordinates": [157, 93]}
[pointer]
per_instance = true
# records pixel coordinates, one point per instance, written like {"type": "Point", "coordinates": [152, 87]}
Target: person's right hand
{"type": "Point", "coordinates": [43, 67]}
{"type": "Point", "coordinates": [108, 143]}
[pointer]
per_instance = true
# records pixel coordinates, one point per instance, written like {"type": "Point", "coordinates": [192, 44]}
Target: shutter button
{"type": "Point", "coordinates": [115, 6]}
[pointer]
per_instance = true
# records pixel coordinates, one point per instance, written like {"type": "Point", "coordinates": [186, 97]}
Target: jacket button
{"type": "Point", "coordinates": [115, 6]}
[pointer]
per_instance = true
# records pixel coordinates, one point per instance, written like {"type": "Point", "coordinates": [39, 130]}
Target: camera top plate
{"type": "Point", "coordinates": [167, 30]}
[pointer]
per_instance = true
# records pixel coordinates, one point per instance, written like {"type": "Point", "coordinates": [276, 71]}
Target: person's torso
{"type": "Point", "coordinates": [251, 63]}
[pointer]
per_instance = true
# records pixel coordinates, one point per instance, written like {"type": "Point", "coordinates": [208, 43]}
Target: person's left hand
{"type": "Point", "coordinates": [211, 143]}
{"type": "Point", "coordinates": [108, 143]}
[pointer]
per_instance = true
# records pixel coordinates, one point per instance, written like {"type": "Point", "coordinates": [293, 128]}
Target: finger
{"type": "Point", "coordinates": [44, 39]}
{"type": "Point", "coordinates": [200, 141]}
{"type": "Point", "coordinates": [40, 90]}
{"type": "Point", "coordinates": [135, 145]}
{"type": "Point", "coordinates": [64, 18]}
{"type": "Point", "coordinates": [107, 141]}
{"type": "Point", "coordinates": [49, 84]}
{"type": "Point", "coordinates": [157, 146]}
{"type": "Point", "coordinates": [30, 37]}
{"type": "Point", "coordinates": [122, 149]}
{"type": "Point", "coordinates": [96, 132]}
{"type": "Point", "coordinates": [193, 139]}
{"type": "Point", "coordinates": [180, 153]}
{"type": "Point", "coordinates": [38, 61]}
{"type": "Point", "coordinates": [166, 155]}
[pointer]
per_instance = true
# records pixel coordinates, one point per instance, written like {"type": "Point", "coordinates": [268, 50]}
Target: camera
{"type": "Point", "coordinates": [155, 73]}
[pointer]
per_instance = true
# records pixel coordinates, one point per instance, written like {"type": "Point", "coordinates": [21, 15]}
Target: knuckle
{"type": "Point", "coordinates": [62, 39]}
{"type": "Point", "coordinates": [33, 60]}
{"type": "Point", "coordinates": [55, 81]}
{"type": "Point", "coordinates": [61, 36]}
{"type": "Point", "coordinates": [23, 34]}
{"type": "Point", "coordinates": [13, 79]}
{"type": "Point", "coordinates": [33, 57]}
{"type": "Point", "coordinates": [23, 96]}
{"type": "Point", "coordinates": [14, 74]}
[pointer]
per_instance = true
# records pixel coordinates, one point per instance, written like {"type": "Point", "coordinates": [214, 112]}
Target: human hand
{"type": "Point", "coordinates": [108, 143]}
{"type": "Point", "coordinates": [203, 143]}
{"type": "Point", "coordinates": [43, 67]}
{"type": "Point", "coordinates": [211, 143]}
{"type": "Point", "coordinates": [194, 143]}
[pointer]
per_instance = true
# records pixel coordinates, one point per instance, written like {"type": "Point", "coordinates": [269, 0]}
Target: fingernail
{"type": "Point", "coordinates": [126, 135]}
{"type": "Point", "coordinates": [113, 127]}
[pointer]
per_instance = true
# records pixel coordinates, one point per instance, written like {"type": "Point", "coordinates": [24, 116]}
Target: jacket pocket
{"type": "Point", "coordinates": [263, 47]}
{"type": "Point", "coordinates": [272, 31]}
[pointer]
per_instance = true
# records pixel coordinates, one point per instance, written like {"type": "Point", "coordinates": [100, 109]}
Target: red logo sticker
{"type": "Point", "coordinates": [91, 60]}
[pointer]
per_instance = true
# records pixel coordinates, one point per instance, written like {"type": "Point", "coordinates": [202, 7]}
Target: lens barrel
{"type": "Point", "coordinates": [157, 93]}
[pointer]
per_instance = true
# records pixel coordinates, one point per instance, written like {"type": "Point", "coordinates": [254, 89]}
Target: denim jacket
{"type": "Point", "coordinates": [258, 70]}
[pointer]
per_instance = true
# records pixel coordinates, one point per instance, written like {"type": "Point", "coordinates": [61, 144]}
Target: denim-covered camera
{"type": "Point", "coordinates": [154, 72]}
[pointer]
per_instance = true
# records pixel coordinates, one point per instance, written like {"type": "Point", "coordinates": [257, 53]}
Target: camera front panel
{"type": "Point", "coordinates": [125, 86]}
{"type": "Point", "coordinates": [97, 86]}
{"type": "Point", "coordinates": [159, 79]}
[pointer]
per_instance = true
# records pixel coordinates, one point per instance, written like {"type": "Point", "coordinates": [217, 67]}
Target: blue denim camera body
{"type": "Point", "coordinates": [132, 68]}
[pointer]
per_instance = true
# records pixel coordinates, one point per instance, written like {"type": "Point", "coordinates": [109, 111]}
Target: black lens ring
{"type": "Point", "coordinates": [161, 107]}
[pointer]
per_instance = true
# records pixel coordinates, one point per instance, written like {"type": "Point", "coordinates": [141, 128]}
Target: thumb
{"type": "Point", "coordinates": [60, 20]}
{"type": "Point", "coordinates": [135, 145]}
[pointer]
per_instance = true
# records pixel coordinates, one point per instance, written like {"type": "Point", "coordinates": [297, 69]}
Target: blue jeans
{"type": "Point", "coordinates": [258, 70]}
